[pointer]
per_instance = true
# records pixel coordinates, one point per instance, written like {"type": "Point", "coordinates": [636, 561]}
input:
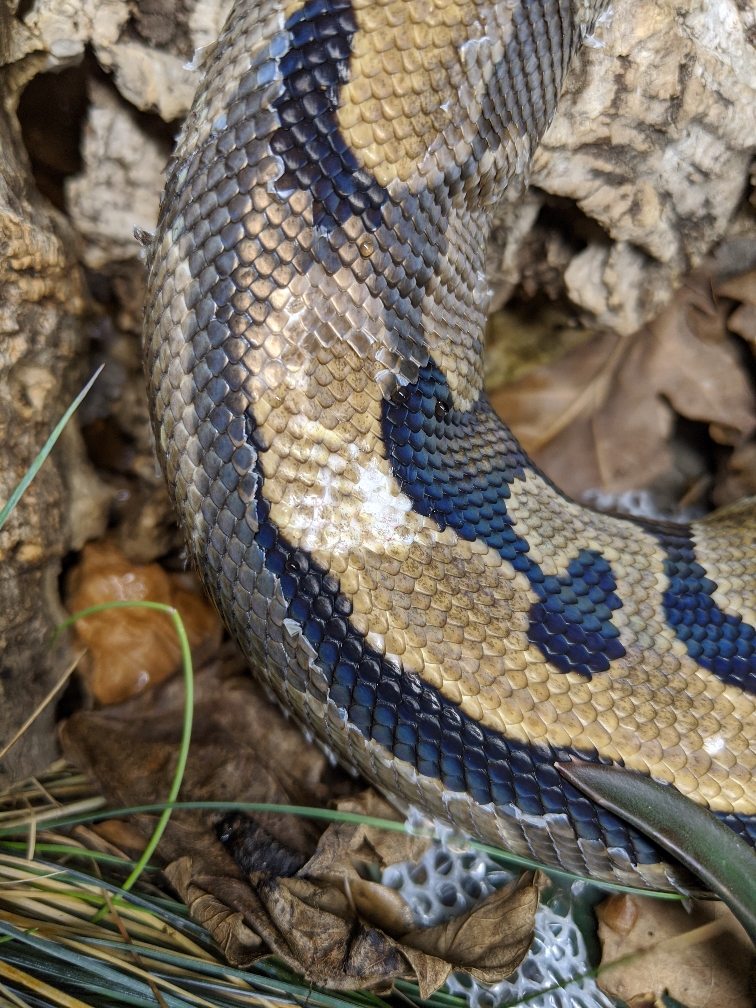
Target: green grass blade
{"type": "Point", "coordinates": [186, 735]}
{"type": "Point", "coordinates": [101, 972]}
{"type": "Point", "coordinates": [331, 815]}
{"type": "Point", "coordinates": [10, 846]}
{"type": "Point", "coordinates": [36, 465]}
{"type": "Point", "coordinates": [690, 832]}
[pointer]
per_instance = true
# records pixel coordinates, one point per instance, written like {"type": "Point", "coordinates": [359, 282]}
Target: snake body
{"type": "Point", "coordinates": [396, 570]}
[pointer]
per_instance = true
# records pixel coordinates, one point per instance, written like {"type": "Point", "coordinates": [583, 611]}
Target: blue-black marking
{"type": "Point", "coordinates": [415, 722]}
{"type": "Point", "coordinates": [722, 643]}
{"type": "Point", "coordinates": [399, 711]}
{"type": "Point", "coordinates": [457, 468]}
{"type": "Point", "coordinates": [316, 156]}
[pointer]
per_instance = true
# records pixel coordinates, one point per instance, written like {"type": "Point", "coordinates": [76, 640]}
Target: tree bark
{"type": "Point", "coordinates": [41, 340]}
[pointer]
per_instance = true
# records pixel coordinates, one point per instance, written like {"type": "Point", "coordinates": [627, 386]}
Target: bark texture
{"type": "Point", "coordinates": [653, 140]}
{"type": "Point", "coordinates": [41, 306]}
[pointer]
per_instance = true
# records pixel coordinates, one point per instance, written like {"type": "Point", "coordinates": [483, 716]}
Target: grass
{"type": "Point", "coordinates": [186, 733]}
{"type": "Point", "coordinates": [57, 944]}
{"type": "Point", "coordinates": [57, 947]}
{"type": "Point", "coordinates": [70, 930]}
{"type": "Point", "coordinates": [48, 446]}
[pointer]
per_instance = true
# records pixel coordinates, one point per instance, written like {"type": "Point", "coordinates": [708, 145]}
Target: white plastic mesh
{"type": "Point", "coordinates": [545, 976]}
{"type": "Point", "coordinates": [449, 880]}
{"type": "Point", "coordinates": [445, 883]}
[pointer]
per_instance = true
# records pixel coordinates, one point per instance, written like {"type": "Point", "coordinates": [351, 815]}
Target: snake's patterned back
{"type": "Point", "coordinates": [395, 568]}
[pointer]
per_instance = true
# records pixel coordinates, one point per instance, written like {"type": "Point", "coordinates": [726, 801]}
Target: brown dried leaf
{"type": "Point", "coordinates": [491, 939]}
{"type": "Point", "coordinates": [488, 941]}
{"type": "Point", "coordinates": [345, 846]}
{"type": "Point", "coordinates": [256, 892]}
{"type": "Point", "coordinates": [743, 322]}
{"type": "Point", "coordinates": [324, 939]}
{"type": "Point", "coordinates": [739, 288]}
{"type": "Point", "coordinates": [739, 478]}
{"type": "Point", "coordinates": [240, 944]}
{"type": "Point", "coordinates": [743, 319]}
{"type": "Point", "coordinates": [700, 958]}
{"type": "Point", "coordinates": [343, 932]}
{"type": "Point", "coordinates": [243, 749]}
{"type": "Point", "coordinates": [642, 1001]}
{"type": "Point", "coordinates": [384, 907]}
{"type": "Point", "coordinates": [113, 836]}
{"type": "Point", "coordinates": [602, 416]}
{"type": "Point", "coordinates": [310, 926]}
{"type": "Point", "coordinates": [131, 649]}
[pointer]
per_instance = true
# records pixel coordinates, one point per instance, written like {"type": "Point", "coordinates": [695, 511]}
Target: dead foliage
{"type": "Point", "coordinates": [603, 415]}
{"type": "Point", "coordinates": [658, 954]}
{"type": "Point", "coordinates": [739, 476]}
{"type": "Point", "coordinates": [131, 649]}
{"type": "Point", "coordinates": [266, 883]}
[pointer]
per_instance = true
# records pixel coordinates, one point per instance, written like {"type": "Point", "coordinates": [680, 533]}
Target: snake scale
{"type": "Point", "coordinates": [396, 570]}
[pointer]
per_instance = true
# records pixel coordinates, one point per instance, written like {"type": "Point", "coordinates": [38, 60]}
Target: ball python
{"type": "Point", "coordinates": [397, 571]}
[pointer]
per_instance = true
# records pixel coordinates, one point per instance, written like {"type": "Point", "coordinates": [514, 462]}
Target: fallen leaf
{"type": "Point", "coordinates": [602, 416]}
{"type": "Point", "coordinates": [519, 339]}
{"type": "Point", "coordinates": [739, 288]}
{"type": "Point", "coordinates": [243, 749]}
{"type": "Point", "coordinates": [113, 836]}
{"type": "Point", "coordinates": [738, 475]}
{"type": "Point", "coordinates": [265, 883]}
{"type": "Point", "coordinates": [666, 954]}
{"type": "Point", "coordinates": [339, 931]}
{"type": "Point", "coordinates": [642, 1001]}
{"type": "Point", "coordinates": [743, 318]}
{"type": "Point", "coordinates": [131, 649]}
{"type": "Point", "coordinates": [651, 1001]}
{"type": "Point", "coordinates": [385, 907]}
{"type": "Point", "coordinates": [489, 941]}
{"type": "Point", "coordinates": [319, 935]}
{"type": "Point", "coordinates": [739, 478]}
{"type": "Point", "coordinates": [345, 847]}
{"type": "Point", "coordinates": [667, 1001]}
{"type": "Point", "coordinates": [239, 943]}
{"type": "Point", "coordinates": [743, 322]}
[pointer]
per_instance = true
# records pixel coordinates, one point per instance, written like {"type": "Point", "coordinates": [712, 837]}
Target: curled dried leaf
{"type": "Point", "coordinates": [385, 907]}
{"type": "Point", "coordinates": [491, 939]}
{"type": "Point", "coordinates": [743, 318]}
{"type": "Point", "coordinates": [239, 943]}
{"type": "Point", "coordinates": [739, 288]}
{"type": "Point", "coordinates": [602, 416]}
{"type": "Point", "coordinates": [265, 883]}
{"type": "Point", "coordinates": [344, 932]}
{"type": "Point", "coordinates": [131, 649]}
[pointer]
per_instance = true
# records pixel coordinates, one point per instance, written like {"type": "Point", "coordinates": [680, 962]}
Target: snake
{"type": "Point", "coordinates": [398, 573]}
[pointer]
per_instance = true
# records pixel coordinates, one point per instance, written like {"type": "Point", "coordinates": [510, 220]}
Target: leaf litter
{"type": "Point", "coordinates": [600, 420]}
{"type": "Point", "coordinates": [699, 955]}
{"type": "Point", "coordinates": [264, 883]}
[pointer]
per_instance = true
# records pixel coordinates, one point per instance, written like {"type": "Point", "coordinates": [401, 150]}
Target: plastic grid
{"type": "Point", "coordinates": [450, 879]}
